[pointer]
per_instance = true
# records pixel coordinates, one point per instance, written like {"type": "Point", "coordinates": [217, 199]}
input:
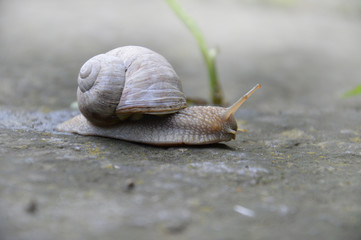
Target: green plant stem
{"type": "Point", "coordinates": [209, 55]}
{"type": "Point", "coordinates": [353, 92]}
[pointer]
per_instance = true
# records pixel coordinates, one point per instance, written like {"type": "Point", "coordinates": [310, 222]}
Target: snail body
{"type": "Point", "coordinates": [121, 92]}
{"type": "Point", "coordinates": [182, 127]}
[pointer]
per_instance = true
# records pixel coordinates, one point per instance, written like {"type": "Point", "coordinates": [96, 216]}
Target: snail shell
{"type": "Point", "coordinates": [118, 87]}
{"type": "Point", "coordinates": [128, 81]}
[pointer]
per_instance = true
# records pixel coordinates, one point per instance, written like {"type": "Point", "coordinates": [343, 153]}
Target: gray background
{"type": "Point", "coordinates": [297, 168]}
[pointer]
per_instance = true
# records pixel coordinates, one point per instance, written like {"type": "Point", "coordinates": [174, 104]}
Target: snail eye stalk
{"type": "Point", "coordinates": [232, 109]}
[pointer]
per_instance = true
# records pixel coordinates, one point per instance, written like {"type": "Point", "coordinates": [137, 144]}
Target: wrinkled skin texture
{"type": "Point", "coordinates": [190, 126]}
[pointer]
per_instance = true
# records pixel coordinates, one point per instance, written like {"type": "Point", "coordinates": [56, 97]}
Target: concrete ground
{"type": "Point", "coordinates": [295, 174]}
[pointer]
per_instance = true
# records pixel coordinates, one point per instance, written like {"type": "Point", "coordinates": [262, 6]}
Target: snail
{"type": "Point", "coordinates": [132, 93]}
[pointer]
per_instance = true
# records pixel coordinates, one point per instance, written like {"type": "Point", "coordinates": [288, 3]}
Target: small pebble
{"type": "Point", "coordinates": [32, 207]}
{"type": "Point", "coordinates": [130, 185]}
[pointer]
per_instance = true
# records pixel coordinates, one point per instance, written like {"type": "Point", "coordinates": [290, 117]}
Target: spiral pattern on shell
{"type": "Point", "coordinates": [126, 81]}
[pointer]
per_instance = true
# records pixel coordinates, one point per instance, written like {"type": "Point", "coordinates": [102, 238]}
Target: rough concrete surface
{"type": "Point", "coordinates": [295, 174]}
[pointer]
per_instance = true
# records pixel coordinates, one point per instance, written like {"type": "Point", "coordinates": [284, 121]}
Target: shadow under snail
{"type": "Point", "coordinates": [132, 93]}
